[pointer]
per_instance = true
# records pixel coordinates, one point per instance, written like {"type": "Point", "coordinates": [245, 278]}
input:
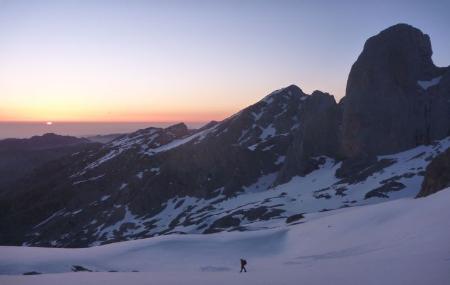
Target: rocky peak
{"type": "Point", "coordinates": [317, 135]}
{"type": "Point", "coordinates": [404, 50]}
{"type": "Point", "coordinates": [385, 110]}
{"type": "Point", "coordinates": [178, 130]}
{"type": "Point", "coordinates": [322, 97]}
{"type": "Point", "coordinates": [276, 115]}
{"type": "Point", "coordinates": [286, 93]}
{"type": "Point", "coordinates": [151, 137]}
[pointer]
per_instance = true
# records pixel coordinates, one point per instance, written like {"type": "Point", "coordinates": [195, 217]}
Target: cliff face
{"type": "Point", "coordinates": [437, 175]}
{"type": "Point", "coordinates": [317, 135]}
{"type": "Point", "coordinates": [396, 98]}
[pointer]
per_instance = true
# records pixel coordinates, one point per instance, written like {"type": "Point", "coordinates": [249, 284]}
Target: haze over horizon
{"type": "Point", "coordinates": [190, 61]}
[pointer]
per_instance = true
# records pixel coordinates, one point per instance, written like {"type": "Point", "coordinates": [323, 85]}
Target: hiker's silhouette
{"type": "Point", "coordinates": [243, 263]}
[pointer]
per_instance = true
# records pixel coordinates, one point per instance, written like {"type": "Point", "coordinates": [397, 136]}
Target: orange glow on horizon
{"type": "Point", "coordinates": [41, 106]}
{"type": "Point", "coordinates": [49, 117]}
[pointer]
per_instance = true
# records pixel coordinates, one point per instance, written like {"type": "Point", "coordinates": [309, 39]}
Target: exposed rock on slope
{"type": "Point", "coordinates": [318, 134]}
{"type": "Point", "coordinates": [437, 175]}
{"type": "Point", "coordinates": [396, 97]}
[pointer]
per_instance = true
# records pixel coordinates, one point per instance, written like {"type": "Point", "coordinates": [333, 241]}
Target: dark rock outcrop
{"type": "Point", "coordinates": [381, 192]}
{"type": "Point", "coordinates": [317, 135]}
{"type": "Point", "coordinates": [294, 218]}
{"type": "Point", "coordinates": [31, 273]}
{"type": "Point", "coordinates": [437, 175]}
{"type": "Point", "coordinates": [79, 268]}
{"type": "Point", "coordinates": [396, 98]}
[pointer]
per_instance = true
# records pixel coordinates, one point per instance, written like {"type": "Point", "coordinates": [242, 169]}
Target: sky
{"type": "Point", "coordinates": [192, 61]}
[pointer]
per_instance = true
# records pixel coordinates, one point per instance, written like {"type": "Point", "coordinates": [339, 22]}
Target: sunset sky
{"type": "Point", "coordinates": [192, 61]}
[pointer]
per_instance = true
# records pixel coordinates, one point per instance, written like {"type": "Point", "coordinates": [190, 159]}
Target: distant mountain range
{"type": "Point", "coordinates": [290, 153]}
{"type": "Point", "coordinates": [20, 157]}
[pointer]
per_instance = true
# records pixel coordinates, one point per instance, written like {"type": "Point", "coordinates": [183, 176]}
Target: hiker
{"type": "Point", "coordinates": [243, 264]}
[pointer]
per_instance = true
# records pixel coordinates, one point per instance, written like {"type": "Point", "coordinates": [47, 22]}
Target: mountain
{"type": "Point", "coordinates": [20, 157]}
{"type": "Point", "coordinates": [46, 141]}
{"type": "Point", "coordinates": [288, 154]}
{"type": "Point", "coordinates": [396, 98]}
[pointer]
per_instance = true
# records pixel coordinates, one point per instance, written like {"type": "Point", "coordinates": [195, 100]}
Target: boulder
{"type": "Point", "coordinates": [437, 175]}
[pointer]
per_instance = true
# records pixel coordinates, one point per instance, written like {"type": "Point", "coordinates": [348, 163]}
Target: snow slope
{"type": "Point", "coordinates": [318, 191]}
{"type": "Point", "coordinates": [398, 242]}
